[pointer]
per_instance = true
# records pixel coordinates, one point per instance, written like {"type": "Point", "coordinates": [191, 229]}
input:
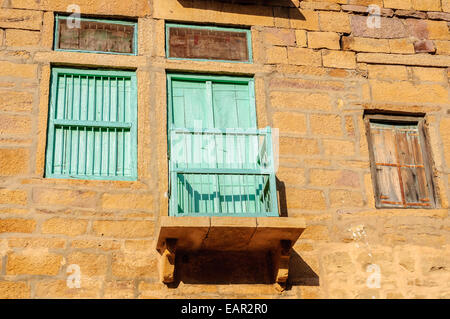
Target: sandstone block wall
{"type": "Point", "coordinates": [318, 67]}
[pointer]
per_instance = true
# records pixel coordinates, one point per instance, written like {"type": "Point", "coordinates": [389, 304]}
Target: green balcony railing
{"type": "Point", "coordinates": [216, 172]}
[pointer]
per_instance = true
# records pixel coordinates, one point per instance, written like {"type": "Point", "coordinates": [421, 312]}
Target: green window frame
{"type": "Point", "coordinates": [58, 18]}
{"type": "Point", "coordinates": [229, 29]}
{"type": "Point", "coordinates": [92, 125]}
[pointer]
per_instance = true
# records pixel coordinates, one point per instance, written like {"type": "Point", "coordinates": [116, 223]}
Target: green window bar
{"type": "Point", "coordinates": [92, 127]}
{"type": "Point", "coordinates": [222, 172]}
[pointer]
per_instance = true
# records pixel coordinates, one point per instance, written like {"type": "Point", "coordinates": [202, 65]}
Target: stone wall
{"type": "Point", "coordinates": [317, 68]}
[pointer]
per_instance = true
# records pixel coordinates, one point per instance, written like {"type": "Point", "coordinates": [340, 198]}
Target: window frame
{"type": "Point", "coordinates": [59, 17]}
{"type": "Point", "coordinates": [50, 138]}
{"type": "Point", "coordinates": [419, 121]}
{"type": "Point", "coordinates": [169, 25]}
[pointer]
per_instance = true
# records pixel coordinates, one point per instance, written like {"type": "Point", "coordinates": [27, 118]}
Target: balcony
{"type": "Point", "coordinates": [222, 173]}
{"type": "Point", "coordinates": [223, 197]}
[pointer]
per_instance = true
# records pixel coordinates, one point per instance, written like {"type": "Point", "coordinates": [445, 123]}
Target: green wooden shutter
{"type": "Point", "coordinates": [92, 125]}
{"type": "Point", "coordinates": [198, 103]}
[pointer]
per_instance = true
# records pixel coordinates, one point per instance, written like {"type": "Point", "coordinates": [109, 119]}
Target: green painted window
{"type": "Point", "coordinates": [214, 101]}
{"type": "Point", "coordinates": [92, 127]}
{"type": "Point", "coordinates": [220, 163]}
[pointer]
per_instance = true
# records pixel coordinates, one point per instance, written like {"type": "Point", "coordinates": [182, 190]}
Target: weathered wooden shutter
{"type": "Point", "coordinates": [399, 166]}
{"type": "Point", "coordinates": [92, 125]}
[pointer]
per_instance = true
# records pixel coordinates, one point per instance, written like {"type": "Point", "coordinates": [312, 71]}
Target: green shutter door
{"type": "Point", "coordinates": [215, 104]}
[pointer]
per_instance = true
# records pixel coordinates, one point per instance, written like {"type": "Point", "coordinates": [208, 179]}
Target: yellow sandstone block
{"type": "Point", "coordinates": [338, 148]}
{"type": "Point", "coordinates": [426, 5]}
{"type": "Point", "coordinates": [445, 135]}
{"type": "Point", "coordinates": [365, 44]}
{"type": "Point", "coordinates": [387, 72]}
{"type": "Point", "coordinates": [123, 228]}
{"type": "Point", "coordinates": [13, 161]}
{"type": "Point", "coordinates": [408, 92]}
{"type": "Point", "coordinates": [17, 70]}
{"type": "Point", "coordinates": [55, 288]}
{"type": "Point", "coordinates": [334, 21]}
{"type": "Point", "coordinates": [446, 5]}
{"type": "Point", "coordinates": [127, 201]}
{"type": "Point", "coordinates": [429, 74]}
{"type": "Point", "coordinates": [339, 59]}
{"type": "Point", "coordinates": [301, 100]}
{"type": "Point", "coordinates": [15, 124]}
{"type": "Point", "coordinates": [33, 263]}
{"type": "Point", "coordinates": [291, 175]}
{"type": "Point", "coordinates": [305, 199]}
{"type": "Point", "coordinates": [289, 122]}
{"type": "Point", "coordinates": [276, 55]}
{"type": "Point", "coordinates": [22, 38]}
{"type": "Point", "coordinates": [14, 290]}
{"type": "Point", "coordinates": [330, 178]}
{"type": "Point", "coordinates": [438, 30]}
{"type": "Point", "coordinates": [301, 38]}
{"type": "Point", "coordinates": [303, 56]}
{"type": "Point", "coordinates": [344, 198]}
{"type": "Point", "coordinates": [13, 197]}
{"type": "Point", "coordinates": [304, 19]}
{"type": "Point", "coordinates": [131, 265]}
{"type": "Point", "coordinates": [17, 225]}
{"type": "Point", "coordinates": [442, 47]}
{"type": "Point", "coordinates": [298, 146]}
{"type": "Point", "coordinates": [64, 197]}
{"type": "Point", "coordinates": [327, 40]}
{"type": "Point", "coordinates": [64, 226]}
{"type": "Point", "coordinates": [326, 124]}
{"type": "Point", "coordinates": [401, 46]}
{"type": "Point", "coordinates": [20, 19]}
{"type": "Point", "coordinates": [90, 264]}
{"type": "Point", "coordinates": [398, 4]}
{"type": "Point", "coordinates": [16, 101]}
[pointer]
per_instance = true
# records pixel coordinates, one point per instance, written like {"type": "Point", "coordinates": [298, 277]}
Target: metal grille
{"type": "Point", "coordinates": [222, 172]}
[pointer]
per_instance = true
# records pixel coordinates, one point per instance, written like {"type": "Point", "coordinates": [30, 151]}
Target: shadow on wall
{"type": "Point", "coordinates": [281, 190]}
{"type": "Point", "coordinates": [221, 268]}
{"type": "Point", "coordinates": [216, 4]}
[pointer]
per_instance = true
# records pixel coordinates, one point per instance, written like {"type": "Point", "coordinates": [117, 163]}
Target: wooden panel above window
{"type": "Point", "coordinates": [93, 35]}
{"type": "Point", "coordinates": [208, 43]}
{"type": "Point", "coordinates": [400, 162]}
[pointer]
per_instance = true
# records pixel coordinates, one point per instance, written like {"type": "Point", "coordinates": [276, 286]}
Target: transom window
{"type": "Point", "coordinates": [208, 43]}
{"type": "Point", "coordinates": [95, 35]}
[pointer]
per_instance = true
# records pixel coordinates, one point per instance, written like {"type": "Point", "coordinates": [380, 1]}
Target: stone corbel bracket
{"type": "Point", "coordinates": [275, 235]}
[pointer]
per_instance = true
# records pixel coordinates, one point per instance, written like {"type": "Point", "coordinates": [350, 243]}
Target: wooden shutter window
{"type": "Point", "coordinates": [95, 36]}
{"type": "Point", "coordinates": [399, 166]}
{"type": "Point", "coordinates": [92, 125]}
